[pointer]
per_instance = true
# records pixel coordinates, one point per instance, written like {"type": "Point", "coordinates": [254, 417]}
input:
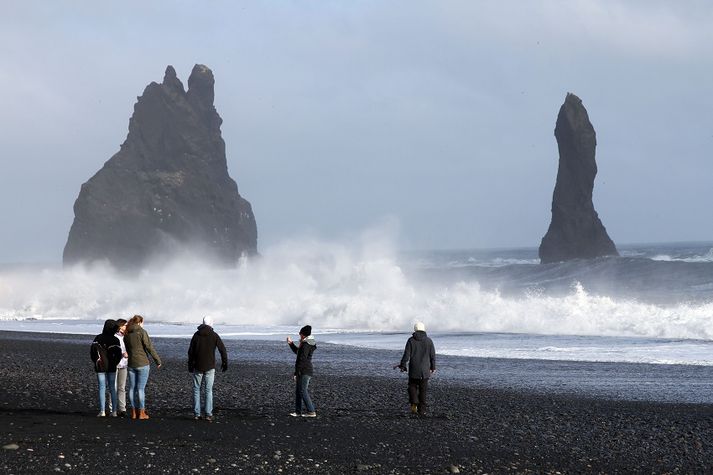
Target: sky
{"type": "Point", "coordinates": [435, 117]}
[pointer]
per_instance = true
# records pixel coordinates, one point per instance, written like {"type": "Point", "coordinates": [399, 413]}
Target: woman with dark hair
{"type": "Point", "coordinates": [121, 371]}
{"type": "Point", "coordinates": [139, 347]}
{"type": "Point", "coordinates": [303, 371]}
{"type": "Point", "coordinates": [105, 352]}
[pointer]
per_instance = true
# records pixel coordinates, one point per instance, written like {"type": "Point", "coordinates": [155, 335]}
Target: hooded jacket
{"type": "Point", "coordinates": [420, 354]}
{"type": "Point", "coordinates": [111, 345]}
{"type": "Point", "coordinates": [303, 363]}
{"type": "Point", "coordinates": [201, 351]}
{"type": "Point", "coordinates": [138, 346]}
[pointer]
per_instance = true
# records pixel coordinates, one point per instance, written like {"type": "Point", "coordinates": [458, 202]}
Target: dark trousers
{"type": "Point", "coordinates": [417, 389]}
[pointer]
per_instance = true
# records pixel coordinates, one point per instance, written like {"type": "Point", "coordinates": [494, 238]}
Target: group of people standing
{"type": "Point", "coordinates": [120, 352]}
{"type": "Point", "coordinates": [123, 349]}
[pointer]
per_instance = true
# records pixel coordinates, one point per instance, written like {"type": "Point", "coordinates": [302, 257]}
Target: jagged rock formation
{"type": "Point", "coordinates": [575, 231]}
{"type": "Point", "coordinates": [167, 190]}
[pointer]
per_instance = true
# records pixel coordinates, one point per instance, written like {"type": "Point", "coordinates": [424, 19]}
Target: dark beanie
{"type": "Point", "coordinates": [306, 330]}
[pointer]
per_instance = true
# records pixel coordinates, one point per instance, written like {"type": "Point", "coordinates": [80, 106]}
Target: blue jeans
{"type": "Point", "coordinates": [206, 377]}
{"type": "Point", "coordinates": [106, 379]}
{"type": "Point", "coordinates": [137, 383]}
{"type": "Point", "coordinates": [302, 394]}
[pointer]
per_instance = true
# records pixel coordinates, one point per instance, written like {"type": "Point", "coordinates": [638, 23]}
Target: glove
{"type": "Point", "coordinates": [224, 367]}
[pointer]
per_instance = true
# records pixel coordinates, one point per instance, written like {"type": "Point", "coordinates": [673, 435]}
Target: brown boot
{"type": "Point", "coordinates": [134, 413]}
{"type": "Point", "coordinates": [143, 414]}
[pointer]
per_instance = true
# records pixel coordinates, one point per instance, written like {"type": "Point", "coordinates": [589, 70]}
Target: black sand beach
{"type": "Point", "coordinates": [48, 408]}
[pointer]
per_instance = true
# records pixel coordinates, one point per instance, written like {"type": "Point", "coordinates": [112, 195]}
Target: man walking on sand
{"type": "Point", "coordinates": [420, 355]}
{"type": "Point", "coordinates": [201, 362]}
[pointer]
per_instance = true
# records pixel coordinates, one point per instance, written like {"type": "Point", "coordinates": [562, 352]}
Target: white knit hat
{"type": "Point", "coordinates": [419, 327]}
{"type": "Point", "coordinates": [208, 320]}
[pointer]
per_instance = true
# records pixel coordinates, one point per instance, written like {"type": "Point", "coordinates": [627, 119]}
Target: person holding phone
{"type": "Point", "coordinates": [303, 372]}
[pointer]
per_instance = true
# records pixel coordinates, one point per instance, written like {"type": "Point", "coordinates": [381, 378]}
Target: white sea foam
{"type": "Point", "coordinates": [707, 257]}
{"type": "Point", "coordinates": [359, 287]}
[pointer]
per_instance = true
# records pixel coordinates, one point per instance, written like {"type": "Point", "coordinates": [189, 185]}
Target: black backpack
{"type": "Point", "coordinates": [102, 362]}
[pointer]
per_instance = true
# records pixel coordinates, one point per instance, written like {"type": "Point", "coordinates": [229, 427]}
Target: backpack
{"type": "Point", "coordinates": [102, 362]}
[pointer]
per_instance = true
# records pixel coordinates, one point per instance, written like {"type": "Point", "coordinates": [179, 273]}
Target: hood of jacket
{"type": "Point", "coordinates": [310, 340]}
{"type": "Point", "coordinates": [419, 335]}
{"type": "Point", "coordinates": [204, 330]}
{"type": "Point", "coordinates": [109, 327]}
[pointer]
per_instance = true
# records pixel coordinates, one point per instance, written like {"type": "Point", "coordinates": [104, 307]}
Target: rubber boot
{"type": "Point", "coordinates": [143, 414]}
{"type": "Point", "coordinates": [134, 413]}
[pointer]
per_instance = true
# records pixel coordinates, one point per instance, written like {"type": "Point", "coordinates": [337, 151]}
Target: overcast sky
{"type": "Point", "coordinates": [337, 116]}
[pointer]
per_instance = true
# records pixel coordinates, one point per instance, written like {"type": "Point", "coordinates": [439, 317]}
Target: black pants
{"type": "Point", "coordinates": [417, 389]}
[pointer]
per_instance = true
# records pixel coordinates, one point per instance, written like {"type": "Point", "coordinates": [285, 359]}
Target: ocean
{"type": "Point", "coordinates": [654, 304]}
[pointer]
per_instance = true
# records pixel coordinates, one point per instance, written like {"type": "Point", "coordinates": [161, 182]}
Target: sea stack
{"type": "Point", "coordinates": [167, 190]}
{"type": "Point", "coordinates": [576, 231]}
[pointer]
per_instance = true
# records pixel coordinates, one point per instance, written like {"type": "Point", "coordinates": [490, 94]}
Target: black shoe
{"type": "Point", "coordinates": [121, 413]}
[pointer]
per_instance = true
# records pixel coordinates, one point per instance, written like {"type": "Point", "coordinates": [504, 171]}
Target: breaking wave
{"type": "Point", "coordinates": [707, 257]}
{"type": "Point", "coordinates": [340, 287]}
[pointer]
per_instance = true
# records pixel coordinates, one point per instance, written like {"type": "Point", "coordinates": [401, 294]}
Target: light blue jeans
{"type": "Point", "coordinates": [104, 380]}
{"type": "Point", "coordinates": [137, 384]}
{"type": "Point", "coordinates": [207, 378]}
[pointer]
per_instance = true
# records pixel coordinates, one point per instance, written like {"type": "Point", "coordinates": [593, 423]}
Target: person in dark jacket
{"type": "Point", "coordinates": [139, 347]}
{"type": "Point", "coordinates": [201, 362]}
{"type": "Point", "coordinates": [105, 353]}
{"type": "Point", "coordinates": [420, 355]}
{"type": "Point", "coordinates": [303, 371]}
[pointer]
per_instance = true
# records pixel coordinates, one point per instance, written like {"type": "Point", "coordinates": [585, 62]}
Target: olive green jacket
{"type": "Point", "coordinates": [138, 346]}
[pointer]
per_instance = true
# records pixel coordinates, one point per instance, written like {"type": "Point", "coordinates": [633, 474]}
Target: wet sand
{"type": "Point", "coordinates": [48, 411]}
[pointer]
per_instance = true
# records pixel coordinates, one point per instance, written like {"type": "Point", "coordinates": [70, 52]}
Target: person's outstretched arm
{"type": "Point", "coordinates": [293, 347]}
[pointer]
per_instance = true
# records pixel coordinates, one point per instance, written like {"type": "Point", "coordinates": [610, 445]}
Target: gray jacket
{"type": "Point", "coordinates": [420, 354]}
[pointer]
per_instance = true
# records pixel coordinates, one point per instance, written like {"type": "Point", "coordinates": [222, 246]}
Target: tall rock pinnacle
{"type": "Point", "coordinates": [167, 190]}
{"type": "Point", "coordinates": [575, 231]}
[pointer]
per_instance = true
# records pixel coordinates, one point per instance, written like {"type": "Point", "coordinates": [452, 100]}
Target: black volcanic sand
{"type": "Point", "coordinates": [48, 409]}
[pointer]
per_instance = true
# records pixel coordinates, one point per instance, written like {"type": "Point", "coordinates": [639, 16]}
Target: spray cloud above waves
{"type": "Point", "coordinates": [361, 286]}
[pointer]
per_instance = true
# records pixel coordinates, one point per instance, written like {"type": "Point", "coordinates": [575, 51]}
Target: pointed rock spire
{"type": "Point", "coordinates": [171, 81]}
{"type": "Point", "coordinates": [200, 86]}
{"type": "Point", "coordinates": [576, 230]}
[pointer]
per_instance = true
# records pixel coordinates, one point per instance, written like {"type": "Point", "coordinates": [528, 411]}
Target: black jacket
{"type": "Point", "coordinates": [303, 363]}
{"type": "Point", "coordinates": [111, 346]}
{"type": "Point", "coordinates": [201, 352]}
{"type": "Point", "coordinates": [420, 354]}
